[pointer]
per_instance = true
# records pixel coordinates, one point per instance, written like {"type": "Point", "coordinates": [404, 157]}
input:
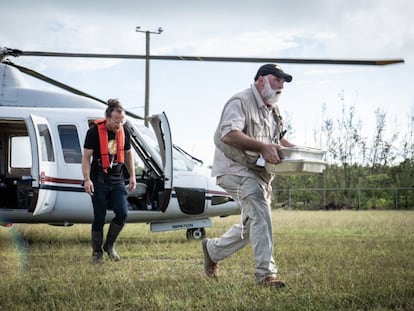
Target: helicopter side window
{"type": "Point", "coordinates": [46, 145]}
{"type": "Point", "coordinates": [20, 152]}
{"type": "Point", "coordinates": [69, 141]}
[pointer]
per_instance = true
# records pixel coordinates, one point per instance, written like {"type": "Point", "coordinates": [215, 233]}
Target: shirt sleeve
{"type": "Point", "coordinates": [233, 118]}
{"type": "Point", "coordinates": [127, 145]}
{"type": "Point", "coordinates": [91, 138]}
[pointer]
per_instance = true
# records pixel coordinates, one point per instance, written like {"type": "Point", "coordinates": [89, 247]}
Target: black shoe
{"type": "Point", "coordinates": [110, 250]}
{"type": "Point", "coordinates": [97, 257]}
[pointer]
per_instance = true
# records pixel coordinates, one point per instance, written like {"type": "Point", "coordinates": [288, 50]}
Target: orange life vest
{"type": "Point", "coordinates": [103, 144]}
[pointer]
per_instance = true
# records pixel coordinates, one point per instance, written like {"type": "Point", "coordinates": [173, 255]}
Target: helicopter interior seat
{"type": "Point", "coordinates": [139, 190]}
{"type": "Point", "coordinates": [3, 188]}
{"type": "Point", "coordinates": [2, 169]}
{"type": "Point", "coordinates": [3, 185]}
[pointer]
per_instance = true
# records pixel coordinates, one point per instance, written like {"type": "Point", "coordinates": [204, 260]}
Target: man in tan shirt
{"type": "Point", "coordinates": [250, 127]}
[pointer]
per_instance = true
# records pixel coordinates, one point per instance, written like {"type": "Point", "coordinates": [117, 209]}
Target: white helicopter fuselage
{"type": "Point", "coordinates": [41, 143]}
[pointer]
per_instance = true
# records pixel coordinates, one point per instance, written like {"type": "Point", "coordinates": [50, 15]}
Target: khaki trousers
{"type": "Point", "coordinates": [253, 196]}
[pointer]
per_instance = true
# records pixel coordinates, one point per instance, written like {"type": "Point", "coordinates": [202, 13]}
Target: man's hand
{"type": "Point", "coordinates": [132, 183]}
{"type": "Point", "coordinates": [270, 153]}
{"type": "Point", "coordinates": [88, 186]}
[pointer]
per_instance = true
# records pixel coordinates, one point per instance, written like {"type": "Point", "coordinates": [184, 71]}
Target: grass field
{"type": "Point", "coordinates": [342, 260]}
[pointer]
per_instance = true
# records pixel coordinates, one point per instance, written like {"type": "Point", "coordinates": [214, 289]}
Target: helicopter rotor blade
{"type": "Point", "coordinates": [374, 62]}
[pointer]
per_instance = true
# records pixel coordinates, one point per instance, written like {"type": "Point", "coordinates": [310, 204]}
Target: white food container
{"type": "Point", "coordinates": [301, 153]}
{"type": "Point", "coordinates": [298, 160]}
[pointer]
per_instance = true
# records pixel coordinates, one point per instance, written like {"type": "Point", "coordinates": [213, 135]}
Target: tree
{"type": "Point", "coordinates": [382, 153]}
{"type": "Point", "coordinates": [345, 142]}
{"type": "Point", "coordinates": [407, 151]}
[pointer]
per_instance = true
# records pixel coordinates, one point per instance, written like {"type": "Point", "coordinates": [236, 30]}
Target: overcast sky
{"type": "Point", "coordinates": [193, 93]}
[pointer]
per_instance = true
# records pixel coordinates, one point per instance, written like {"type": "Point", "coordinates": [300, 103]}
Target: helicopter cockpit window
{"type": "Point", "coordinates": [46, 146]}
{"type": "Point", "coordinates": [139, 165]}
{"type": "Point", "coordinates": [150, 140]}
{"type": "Point", "coordinates": [182, 162]}
{"type": "Point", "coordinates": [69, 141]}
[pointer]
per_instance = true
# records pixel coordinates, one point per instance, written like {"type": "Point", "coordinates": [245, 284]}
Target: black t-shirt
{"type": "Point", "coordinates": [115, 174]}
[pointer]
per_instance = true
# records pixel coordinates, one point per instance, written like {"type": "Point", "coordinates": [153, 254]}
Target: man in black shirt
{"type": "Point", "coordinates": [108, 144]}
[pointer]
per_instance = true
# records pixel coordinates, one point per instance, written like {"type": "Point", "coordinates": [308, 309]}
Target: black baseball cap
{"type": "Point", "coordinates": [274, 70]}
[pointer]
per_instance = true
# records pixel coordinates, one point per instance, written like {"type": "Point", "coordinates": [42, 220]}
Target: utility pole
{"type": "Point", "coordinates": [147, 66]}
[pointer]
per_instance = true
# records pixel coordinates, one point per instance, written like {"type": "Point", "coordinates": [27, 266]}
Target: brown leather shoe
{"type": "Point", "coordinates": [211, 268]}
{"type": "Point", "coordinates": [271, 281]}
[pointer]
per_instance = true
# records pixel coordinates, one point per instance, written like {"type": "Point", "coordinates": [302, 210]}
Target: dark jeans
{"type": "Point", "coordinates": [113, 196]}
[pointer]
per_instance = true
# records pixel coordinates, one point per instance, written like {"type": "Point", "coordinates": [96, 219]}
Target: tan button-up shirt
{"type": "Point", "coordinates": [233, 118]}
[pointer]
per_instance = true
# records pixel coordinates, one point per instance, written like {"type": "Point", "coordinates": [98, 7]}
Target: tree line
{"type": "Point", "coordinates": [363, 171]}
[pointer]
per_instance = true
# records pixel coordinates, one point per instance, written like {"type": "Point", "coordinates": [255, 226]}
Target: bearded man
{"type": "Point", "coordinates": [250, 128]}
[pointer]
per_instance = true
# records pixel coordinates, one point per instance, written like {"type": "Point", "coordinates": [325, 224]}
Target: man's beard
{"type": "Point", "coordinates": [270, 95]}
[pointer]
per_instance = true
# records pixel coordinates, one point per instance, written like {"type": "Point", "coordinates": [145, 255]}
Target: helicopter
{"type": "Point", "coordinates": [41, 134]}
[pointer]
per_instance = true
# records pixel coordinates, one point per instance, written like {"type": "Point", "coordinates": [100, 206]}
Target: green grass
{"type": "Point", "coordinates": [347, 260]}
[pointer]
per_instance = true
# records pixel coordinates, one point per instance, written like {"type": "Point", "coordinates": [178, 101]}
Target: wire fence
{"type": "Point", "coordinates": [397, 198]}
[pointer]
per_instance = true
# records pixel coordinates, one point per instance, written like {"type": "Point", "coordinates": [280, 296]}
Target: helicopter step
{"type": "Point", "coordinates": [195, 227]}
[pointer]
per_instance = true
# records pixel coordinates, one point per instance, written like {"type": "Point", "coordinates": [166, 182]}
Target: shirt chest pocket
{"type": "Point", "coordinates": [260, 129]}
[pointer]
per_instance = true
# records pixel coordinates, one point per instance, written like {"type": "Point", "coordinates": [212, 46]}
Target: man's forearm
{"type": "Point", "coordinates": [239, 140]}
{"type": "Point", "coordinates": [130, 164]}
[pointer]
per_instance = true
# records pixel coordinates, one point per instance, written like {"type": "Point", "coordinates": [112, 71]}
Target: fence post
{"type": "Point", "coordinates": [396, 199]}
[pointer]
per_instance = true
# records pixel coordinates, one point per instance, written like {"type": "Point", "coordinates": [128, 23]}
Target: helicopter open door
{"type": "Point", "coordinates": [155, 148]}
{"type": "Point", "coordinates": [44, 167]}
{"type": "Point", "coordinates": [162, 131]}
